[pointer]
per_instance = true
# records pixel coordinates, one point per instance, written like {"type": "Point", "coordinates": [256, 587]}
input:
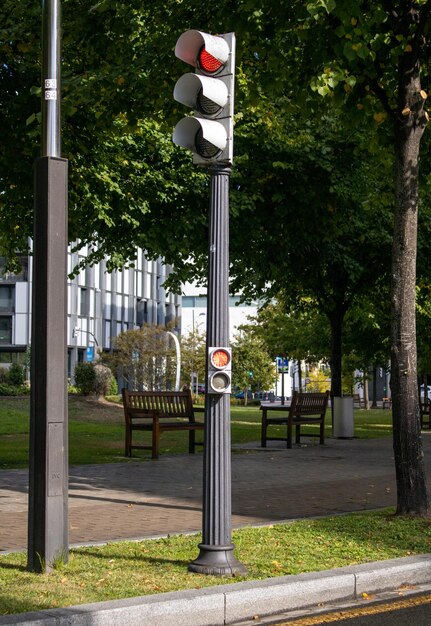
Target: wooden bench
{"type": "Point", "coordinates": [425, 407]}
{"type": "Point", "coordinates": [358, 401]}
{"type": "Point", "coordinates": [159, 411]}
{"type": "Point", "coordinates": [305, 408]}
{"type": "Point", "coordinates": [386, 401]}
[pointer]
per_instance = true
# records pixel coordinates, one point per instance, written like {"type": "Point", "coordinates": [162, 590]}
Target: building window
{"type": "Point", "coordinates": [107, 334]}
{"type": "Point", "coordinates": [85, 304]}
{"type": "Point", "coordinates": [141, 312]}
{"type": "Point", "coordinates": [7, 293]}
{"type": "Point", "coordinates": [5, 330]}
{"type": "Point", "coordinates": [14, 357]}
{"type": "Point", "coordinates": [194, 301]}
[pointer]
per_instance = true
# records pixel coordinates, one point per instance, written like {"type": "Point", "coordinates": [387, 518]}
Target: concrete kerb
{"type": "Point", "coordinates": [229, 604]}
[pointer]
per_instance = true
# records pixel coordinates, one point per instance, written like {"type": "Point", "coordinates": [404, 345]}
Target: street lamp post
{"type": "Point", "coordinates": [88, 332]}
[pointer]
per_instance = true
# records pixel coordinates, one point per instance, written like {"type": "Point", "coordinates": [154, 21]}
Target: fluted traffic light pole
{"type": "Point", "coordinates": [216, 550]}
{"type": "Point", "coordinates": [48, 467]}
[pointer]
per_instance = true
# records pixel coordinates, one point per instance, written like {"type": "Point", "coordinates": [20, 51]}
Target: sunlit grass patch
{"type": "Point", "coordinates": [127, 569]}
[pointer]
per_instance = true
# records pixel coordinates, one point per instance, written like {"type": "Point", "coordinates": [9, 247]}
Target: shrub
{"type": "Point", "coordinates": [113, 387]}
{"type": "Point", "coordinates": [16, 375]}
{"type": "Point", "coordinates": [102, 382]}
{"type": "Point", "coordinates": [71, 388]}
{"type": "Point", "coordinates": [13, 390]}
{"type": "Point", "coordinates": [85, 378]}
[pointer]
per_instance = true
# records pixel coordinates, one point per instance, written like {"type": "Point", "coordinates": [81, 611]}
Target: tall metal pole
{"type": "Point", "coordinates": [48, 466]}
{"type": "Point", "coordinates": [216, 550]}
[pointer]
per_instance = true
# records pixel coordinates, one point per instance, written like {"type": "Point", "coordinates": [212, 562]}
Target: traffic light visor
{"type": "Point", "coordinates": [208, 53]}
{"type": "Point", "coordinates": [205, 137]}
{"type": "Point", "coordinates": [206, 95]}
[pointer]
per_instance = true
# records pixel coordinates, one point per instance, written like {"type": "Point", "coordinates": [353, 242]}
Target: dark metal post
{"type": "Point", "coordinates": [48, 467]}
{"type": "Point", "coordinates": [216, 550]}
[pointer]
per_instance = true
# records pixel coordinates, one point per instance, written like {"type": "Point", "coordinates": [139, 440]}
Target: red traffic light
{"type": "Point", "coordinates": [220, 358]}
{"type": "Point", "coordinates": [219, 370]}
{"type": "Point", "coordinates": [208, 63]}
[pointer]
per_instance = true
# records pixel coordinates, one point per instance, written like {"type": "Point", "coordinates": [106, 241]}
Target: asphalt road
{"type": "Point", "coordinates": [399, 612]}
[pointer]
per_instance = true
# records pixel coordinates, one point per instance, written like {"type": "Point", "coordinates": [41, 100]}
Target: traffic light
{"type": "Point", "coordinates": [209, 92]}
{"type": "Point", "coordinates": [219, 370]}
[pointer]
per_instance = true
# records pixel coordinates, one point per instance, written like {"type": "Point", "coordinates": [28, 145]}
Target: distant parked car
{"type": "Point", "coordinates": [201, 388]}
{"type": "Point", "coordinates": [262, 395]}
{"type": "Point", "coordinates": [240, 395]}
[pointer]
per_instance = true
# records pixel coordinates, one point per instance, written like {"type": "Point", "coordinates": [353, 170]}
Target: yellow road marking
{"type": "Point", "coordinates": [358, 612]}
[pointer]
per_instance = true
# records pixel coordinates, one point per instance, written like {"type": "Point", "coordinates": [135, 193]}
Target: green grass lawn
{"type": "Point", "coordinates": [127, 569]}
{"type": "Point", "coordinates": [96, 430]}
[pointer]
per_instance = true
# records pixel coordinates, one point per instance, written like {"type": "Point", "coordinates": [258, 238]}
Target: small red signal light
{"type": "Point", "coordinates": [208, 63]}
{"type": "Point", "coordinates": [220, 358]}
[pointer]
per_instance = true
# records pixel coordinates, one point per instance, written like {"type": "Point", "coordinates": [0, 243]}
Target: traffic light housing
{"type": "Point", "coordinates": [209, 92]}
{"type": "Point", "coordinates": [219, 370]}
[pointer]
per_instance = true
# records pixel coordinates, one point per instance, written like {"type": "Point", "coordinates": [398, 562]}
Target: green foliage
{"type": "Point", "coordinates": [193, 356]}
{"type": "Point", "coordinates": [113, 387]}
{"type": "Point", "coordinates": [13, 390]}
{"type": "Point", "coordinates": [144, 358]}
{"type": "Point", "coordinates": [127, 569]}
{"type": "Point", "coordinates": [319, 381]}
{"type": "Point", "coordinates": [16, 374]}
{"type": "Point", "coordinates": [302, 334]}
{"type": "Point", "coordinates": [85, 378]}
{"type": "Point", "coordinates": [252, 366]}
{"type": "Point", "coordinates": [94, 378]}
{"type": "Point", "coordinates": [71, 388]}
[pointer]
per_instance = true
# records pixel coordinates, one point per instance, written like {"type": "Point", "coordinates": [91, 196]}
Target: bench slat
{"type": "Point", "coordinates": [154, 411]}
{"type": "Point", "coordinates": [305, 408]}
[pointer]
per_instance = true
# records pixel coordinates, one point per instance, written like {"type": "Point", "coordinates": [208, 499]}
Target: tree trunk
{"type": "Point", "coordinates": [412, 495]}
{"type": "Point", "coordinates": [374, 403]}
{"type": "Point", "coordinates": [366, 389]}
{"type": "Point", "coordinates": [299, 375]}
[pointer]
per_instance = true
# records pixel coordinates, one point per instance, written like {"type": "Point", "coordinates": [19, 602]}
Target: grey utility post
{"type": "Point", "coordinates": [48, 469]}
{"type": "Point", "coordinates": [216, 550]}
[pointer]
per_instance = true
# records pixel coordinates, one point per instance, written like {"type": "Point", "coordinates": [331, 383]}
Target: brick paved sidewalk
{"type": "Point", "coordinates": [150, 498]}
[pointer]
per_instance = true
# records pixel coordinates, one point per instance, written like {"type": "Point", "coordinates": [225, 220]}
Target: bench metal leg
{"type": "Point", "coordinates": [128, 442]}
{"type": "Point", "coordinates": [298, 434]}
{"type": "Point", "coordinates": [156, 439]}
{"type": "Point", "coordinates": [289, 433]}
{"type": "Point", "coordinates": [191, 441]}
{"type": "Point", "coordinates": [322, 434]}
{"type": "Point", "coordinates": [263, 430]}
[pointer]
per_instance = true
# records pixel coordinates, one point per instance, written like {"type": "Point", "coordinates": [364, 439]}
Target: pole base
{"type": "Point", "coordinates": [217, 561]}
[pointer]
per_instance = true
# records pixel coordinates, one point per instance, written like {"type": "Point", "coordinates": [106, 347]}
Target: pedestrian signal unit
{"type": "Point", "coordinates": [209, 92]}
{"type": "Point", "coordinates": [219, 370]}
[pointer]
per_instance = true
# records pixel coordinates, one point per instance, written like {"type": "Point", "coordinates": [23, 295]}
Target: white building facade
{"type": "Point", "coordinates": [194, 309]}
{"type": "Point", "coordinates": [101, 305]}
